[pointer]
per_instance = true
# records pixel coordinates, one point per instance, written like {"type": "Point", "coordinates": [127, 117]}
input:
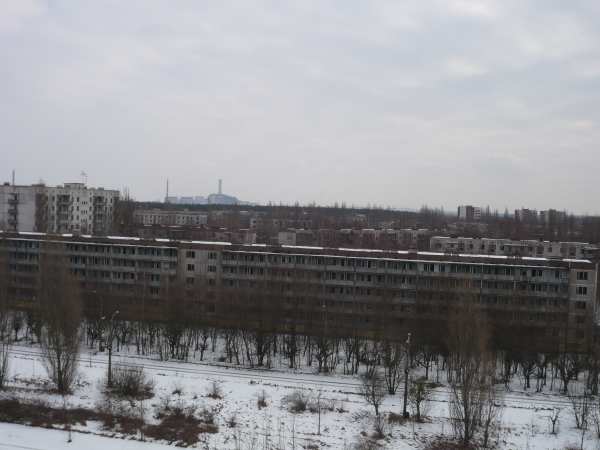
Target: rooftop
{"type": "Point", "coordinates": [306, 250]}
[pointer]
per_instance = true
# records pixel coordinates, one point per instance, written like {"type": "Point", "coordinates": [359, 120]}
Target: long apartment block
{"type": "Point", "coordinates": [510, 247]}
{"type": "Point", "coordinates": [541, 302]}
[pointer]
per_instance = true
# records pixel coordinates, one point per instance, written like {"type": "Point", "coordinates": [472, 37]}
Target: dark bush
{"type": "Point", "coordinates": [130, 381]}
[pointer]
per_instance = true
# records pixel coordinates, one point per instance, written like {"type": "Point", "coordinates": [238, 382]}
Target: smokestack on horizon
{"type": "Point", "coordinates": [220, 186]}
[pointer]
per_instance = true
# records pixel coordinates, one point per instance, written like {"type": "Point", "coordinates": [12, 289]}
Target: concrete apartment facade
{"type": "Point", "coordinates": [545, 303]}
{"type": "Point", "coordinates": [531, 248]}
{"type": "Point", "coordinates": [70, 208]}
{"type": "Point", "coordinates": [169, 217]}
{"type": "Point", "coordinates": [469, 213]}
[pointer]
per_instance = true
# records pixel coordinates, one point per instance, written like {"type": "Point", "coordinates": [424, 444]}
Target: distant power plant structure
{"type": "Point", "coordinates": [212, 199]}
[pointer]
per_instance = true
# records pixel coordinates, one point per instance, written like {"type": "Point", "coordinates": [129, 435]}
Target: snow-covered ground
{"type": "Point", "coordinates": [345, 415]}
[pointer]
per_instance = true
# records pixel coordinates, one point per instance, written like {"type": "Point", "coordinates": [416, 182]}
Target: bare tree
{"type": "Point", "coordinates": [419, 395]}
{"type": "Point", "coordinates": [4, 319]}
{"type": "Point", "coordinates": [554, 420]}
{"type": "Point", "coordinates": [373, 389]}
{"type": "Point", "coordinates": [392, 365]}
{"type": "Point", "coordinates": [60, 311]}
{"type": "Point", "coordinates": [581, 405]}
{"type": "Point", "coordinates": [468, 344]}
{"type": "Point", "coordinates": [491, 409]}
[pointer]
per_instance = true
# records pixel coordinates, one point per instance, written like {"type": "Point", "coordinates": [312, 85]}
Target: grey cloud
{"type": "Point", "coordinates": [326, 101]}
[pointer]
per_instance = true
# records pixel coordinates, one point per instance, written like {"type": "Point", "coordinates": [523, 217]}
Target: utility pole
{"type": "Point", "coordinates": [407, 357]}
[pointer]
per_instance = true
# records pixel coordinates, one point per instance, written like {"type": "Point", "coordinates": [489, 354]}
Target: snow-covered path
{"type": "Point", "coordinates": [21, 437]}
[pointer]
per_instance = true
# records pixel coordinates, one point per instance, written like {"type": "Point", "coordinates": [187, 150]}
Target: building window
{"type": "Point", "coordinates": [190, 254]}
{"type": "Point", "coordinates": [191, 267]}
{"type": "Point", "coordinates": [582, 275]}
{"type": "Point", "coordinates": [580, 305]}
{"type": "Point", "coordinates": [581, 290]}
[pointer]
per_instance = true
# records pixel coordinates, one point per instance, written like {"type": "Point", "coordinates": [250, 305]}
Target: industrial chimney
{"type": "Point", "coordinates": [220, 186]}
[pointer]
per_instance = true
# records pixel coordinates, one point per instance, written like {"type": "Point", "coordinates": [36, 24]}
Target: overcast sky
{"type": "Point", "coordinates": [394, 102]}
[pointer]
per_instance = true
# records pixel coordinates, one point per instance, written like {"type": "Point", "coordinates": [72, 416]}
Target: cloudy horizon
{"type": "Point", "coordinates": [389, 103]}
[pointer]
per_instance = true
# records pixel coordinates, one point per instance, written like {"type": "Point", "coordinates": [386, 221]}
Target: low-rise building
{"type": "Point", "coordinates": [169, 217]}
{"type": "Point", "coordinates": [524, 248]}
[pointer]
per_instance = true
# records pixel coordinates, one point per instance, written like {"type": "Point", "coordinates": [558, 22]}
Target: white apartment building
{"type": "Point", "coordinates": [18, 206]}
{"type": "Point", "coordinates": [70, 208]}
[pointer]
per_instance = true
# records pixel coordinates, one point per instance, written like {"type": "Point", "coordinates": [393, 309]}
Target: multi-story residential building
{"type": "Point", "coordinates": [526, 215]}
{"type": "Point", "coordinates": [544, 304]}
{"type": "Point", "coordinates": [529, 248]}
{"type": "Point", "coordinates": [74, 207]}
{"type": "Point", "coordinates": [71, 208]}
{"type": "Point", "coordinates": [469, 213]}
{"type": "Point", "coordinates": [23, 208]}
{"type": "Point", "coordinates": [169, 217]}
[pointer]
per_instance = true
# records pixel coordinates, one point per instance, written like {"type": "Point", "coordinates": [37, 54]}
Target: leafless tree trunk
{"type": "Point", "coordinates": [581, 405]}
{"type": "Point", "coordinates": [373, 389]}
{"type": "Point", "coordinates": [392, 365]}
{"type": "Point", "coordinates": [4, 319]}
{"type": "Point", "coordinates": [492, 409]}
{"type": "Point", "coordinates": [60, 311]}
{"type": "Point", "coordinates": [468, 344]}
{"type": "Point", "coordinates": [419, 395]}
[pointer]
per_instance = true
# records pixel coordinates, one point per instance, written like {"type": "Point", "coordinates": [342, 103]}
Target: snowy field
{"type": "Point", "coordinates": [345, 416]}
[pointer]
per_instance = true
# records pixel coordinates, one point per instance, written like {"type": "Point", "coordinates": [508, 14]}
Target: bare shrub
{"type": "Point", "coordinates": [214, 391]}
{"type": "Point", "coordinates": [297, 401]}
{"type": "Point", "coordinates": [261, 400]}
{"type": "Point", "coordinates": [581, 405]}
{"type": "Point", "coordinates": [116, 417]}
{"type": "Point", "coordinates": [232, 421]}
{"type": "Point", "coordinates": [419, 395]}
{"type": "Point", "coordinates": [365, 443]}
{"type": "Point", "coordinates": [373, 389]}
{"type": "Point", "coordinates": [379, 427]}
{"type": "Point", "coordinates": [177, 389]}
{"type": "Point", "coordinates": [396, 419]}
{"type": "Point", "coordinates": [130, 381]}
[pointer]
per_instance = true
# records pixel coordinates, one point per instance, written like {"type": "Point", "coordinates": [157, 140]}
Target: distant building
{"type": "Point", "coordinates": [169, 217]}
{"type": "Point", "coordinates": [509, 247]}
{"type": "Point", "coordinates": [70, 208]}
{"type": "Point", "coordinates": [189, 200]}
{"type": "Point", "coordinates": [213, 199]}
{"type": "Point", "coordinates": [526, 215]}
{"type": "Point", "coordinates": [469, 213]}
{"type": "Point", "coordinates": [552, 216]}
{"type": "Point", "coordinates": [223, 199]}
